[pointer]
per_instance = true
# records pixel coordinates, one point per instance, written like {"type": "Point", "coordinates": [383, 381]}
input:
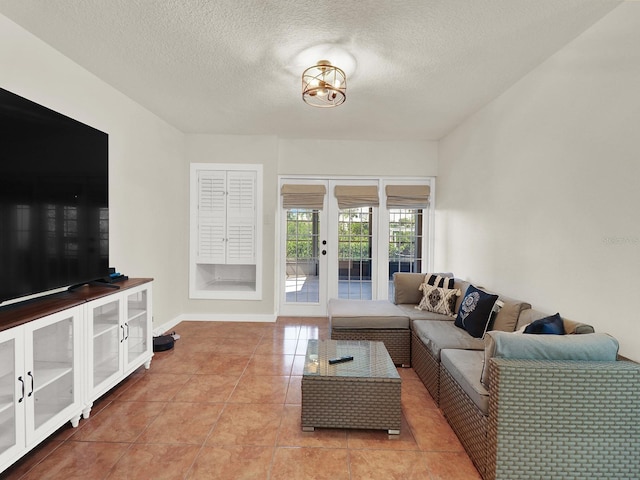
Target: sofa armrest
{"type": "Point", "coordinates": [563, 419]}
{"type": "Point", "coordinates": [571, 327]}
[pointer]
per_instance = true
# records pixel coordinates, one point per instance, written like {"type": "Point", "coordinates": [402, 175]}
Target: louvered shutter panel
{"type": "Point", "coordinates": [241, 211]}
{"type": "Point", "coordinates": [212, 200]}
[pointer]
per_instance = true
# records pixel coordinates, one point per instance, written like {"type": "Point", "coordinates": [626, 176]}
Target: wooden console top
{"type": "Point", "coordinates": [23, 312]}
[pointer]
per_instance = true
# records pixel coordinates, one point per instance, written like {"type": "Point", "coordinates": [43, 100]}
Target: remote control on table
{"type": "Point", "coordinates": [346, 358]}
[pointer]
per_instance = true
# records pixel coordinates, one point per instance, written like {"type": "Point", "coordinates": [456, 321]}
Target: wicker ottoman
{"type": "Point", "coordinates": [373, 320]}
{"type": "Point", "coordinates": [362, 393]}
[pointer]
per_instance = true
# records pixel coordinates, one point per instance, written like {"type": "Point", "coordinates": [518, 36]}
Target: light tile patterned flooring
{"type": "Point", "coordinates": [225, 404]}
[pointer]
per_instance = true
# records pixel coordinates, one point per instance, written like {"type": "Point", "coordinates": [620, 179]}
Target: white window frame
{"type": "Point", "coordinates": [382, 229]}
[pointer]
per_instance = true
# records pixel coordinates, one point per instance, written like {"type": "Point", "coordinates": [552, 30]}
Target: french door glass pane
{"type": "Point", "coordinates": [354, 253]}
{"type": "Point", "coordinates": [405, 242]}
{"type": "Point", "coordinates": [302, 272]}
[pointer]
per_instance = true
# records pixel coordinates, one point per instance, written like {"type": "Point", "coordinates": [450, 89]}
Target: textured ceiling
{"type": "Point", "coordinates": [416, 68]}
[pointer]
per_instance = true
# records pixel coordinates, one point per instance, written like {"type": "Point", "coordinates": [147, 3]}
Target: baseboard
{"type": "Point", "coordinates": [206, 317]}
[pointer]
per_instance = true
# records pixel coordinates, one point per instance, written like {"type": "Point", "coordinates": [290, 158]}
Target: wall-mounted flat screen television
{"type": "Point", "coordinates": [54, 205]}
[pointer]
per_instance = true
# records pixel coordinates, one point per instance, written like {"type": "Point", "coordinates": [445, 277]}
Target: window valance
{"type": "Point", "coordinates": [355, 196]}
{"type": "Point", "coordinates": [407, 196]}
{"type": "Point", "coordinates": [303, 196]}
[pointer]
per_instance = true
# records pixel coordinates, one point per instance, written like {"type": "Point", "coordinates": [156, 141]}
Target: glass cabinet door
{"type": "Point", "coordinates": [12, 392]}
{"type": "Point", "coordinates": [136, 329]}
{"type": "Point", "coordinates": [108, 334]}
{"type": "Point", "coordinates": [51, 368]}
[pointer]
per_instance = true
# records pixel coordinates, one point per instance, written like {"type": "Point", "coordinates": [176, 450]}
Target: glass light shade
{"type": "Point", "coordinates": [324, 85]}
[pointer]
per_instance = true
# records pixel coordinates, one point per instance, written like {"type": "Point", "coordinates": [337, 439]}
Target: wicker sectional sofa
{"type": "Point", "coordinates": [551, 410]}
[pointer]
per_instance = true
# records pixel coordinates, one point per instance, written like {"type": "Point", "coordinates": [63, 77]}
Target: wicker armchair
{"type": "Point", "coordinates": [551, 419]}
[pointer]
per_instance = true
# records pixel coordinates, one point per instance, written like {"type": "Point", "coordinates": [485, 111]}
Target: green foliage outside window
{"type": "Point", "coordinates": [402, 238]}
{"type": "Point", "coordinates": [354, 235]}
{"type": "Point", "coordinates": [300, 235]}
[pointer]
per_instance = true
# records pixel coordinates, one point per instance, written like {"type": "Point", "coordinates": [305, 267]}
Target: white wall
{"type": "Point", "coordinates": [538, 193]}
{"type": "Point", "coordinates": [289, 157]}
{"type": "Point", "coordinates": [145, 161]}
{"type": "Point", "coordinates": [344, 157]}
{"type": "Point", "coordinates": [240, 149]}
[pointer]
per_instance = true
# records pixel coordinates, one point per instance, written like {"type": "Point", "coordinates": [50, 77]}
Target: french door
{"type": "Point", "coordinates": [345, 238]}
{"type": "Point", "coordinates": [328, 247]}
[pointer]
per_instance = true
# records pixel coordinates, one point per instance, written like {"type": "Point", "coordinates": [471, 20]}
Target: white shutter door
{"type": "Point", "coordinates": [241, 221]}
{"type": "Point", "coordinates": [211, 217]}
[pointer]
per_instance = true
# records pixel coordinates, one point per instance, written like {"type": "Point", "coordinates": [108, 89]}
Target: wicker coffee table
{"type": "Point", "coordinates": [362, 393]}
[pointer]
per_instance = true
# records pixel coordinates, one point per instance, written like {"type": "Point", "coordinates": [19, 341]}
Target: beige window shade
{"type": "Point", "coordinates": [303, 196]}
{"type": "Point", "coordinates": [407, 196]}
{"type": "Point", "coordinates": [354, 196]}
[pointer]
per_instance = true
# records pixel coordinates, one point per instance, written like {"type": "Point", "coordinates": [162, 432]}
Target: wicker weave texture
{"type": "Point", "coordinates": [351, 403]}
{"type": "Point", "coordinates": [568, 420]}
{"type": "Point", "coordinates": [396, 341]}
{"type": "Point", "coordinates": [426, 367]}
{"type": "Point", "coordinates": [363, 393]}
{"type": "Point", "coordinates": [469, 424]}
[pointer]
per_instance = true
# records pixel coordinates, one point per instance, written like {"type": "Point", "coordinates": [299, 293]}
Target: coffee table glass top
{"type": "Point", "coordinates": [370, 359]}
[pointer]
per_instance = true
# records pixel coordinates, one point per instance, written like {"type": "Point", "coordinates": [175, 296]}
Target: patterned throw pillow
{"type": "Point", "coordinates": [438, 299]}
{"type": "Point", "coordinates": [438, 281]}
{"type": "Point", "coordinates": [475, 311]}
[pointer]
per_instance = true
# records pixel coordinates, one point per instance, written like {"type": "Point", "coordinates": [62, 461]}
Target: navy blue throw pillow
{"type": "Point", "coordinates": [475, 311]}
{"type": "Point", "coordinates": [552, 325]}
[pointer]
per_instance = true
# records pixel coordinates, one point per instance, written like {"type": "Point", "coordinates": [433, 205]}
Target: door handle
{"type": "Point", "coordinates": [122, 339]}
{"type": "Point", "coordinates": [21, 380]}
{"type": "Point", "coordinates": [32, 384]}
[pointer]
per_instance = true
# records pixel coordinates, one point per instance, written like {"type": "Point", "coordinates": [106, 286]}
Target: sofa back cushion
{"type": "Point", "coordinates": [507, 318]}
{"type": "Point", "coordinates": [406, 287]}
{"type": "Point", "coordinates": [593, 347]}
{"type": "Point", "coordinates": [570, 327]}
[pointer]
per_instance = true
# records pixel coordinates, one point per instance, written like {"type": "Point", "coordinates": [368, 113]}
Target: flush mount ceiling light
{"type": "Point", "coordinates": [324, 85]}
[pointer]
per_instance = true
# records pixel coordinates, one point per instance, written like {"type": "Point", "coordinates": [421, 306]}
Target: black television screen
{"type": "Point", "coordinates": [54, 215]}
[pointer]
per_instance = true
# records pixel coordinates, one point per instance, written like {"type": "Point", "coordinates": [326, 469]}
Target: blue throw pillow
{"type": "Point", "coordinates": [475, 311]}
{"type": "Point", "coordinates": [552, 325]}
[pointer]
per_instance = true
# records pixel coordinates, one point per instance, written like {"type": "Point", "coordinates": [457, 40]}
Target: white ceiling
{"type": "Point", "coordinates": [234, 66]}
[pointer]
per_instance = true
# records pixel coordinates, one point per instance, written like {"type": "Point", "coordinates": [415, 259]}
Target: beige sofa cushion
{"type": "Point", "coordinates": [570, 327]}
{"type": "Point", "coordinates": [414, 314]}
{"type": "Point", "coordinates": [437, 335]}
{"type": "Point", "coordinates": [465, 366]}
{"type": "Point", "coordinates": [406, 287]}
{"type": "Point", "coordinates": [507, 318]}
{"type": "Point", "coordinates": [360, 314]}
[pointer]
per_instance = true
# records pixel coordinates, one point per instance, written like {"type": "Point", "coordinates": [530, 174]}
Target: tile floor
{"type": "Point", "coordinates": [225, 404]}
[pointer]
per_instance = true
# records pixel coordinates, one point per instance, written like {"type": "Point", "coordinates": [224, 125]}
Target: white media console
{"type": "Point", "coordinates": [60, 353]}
